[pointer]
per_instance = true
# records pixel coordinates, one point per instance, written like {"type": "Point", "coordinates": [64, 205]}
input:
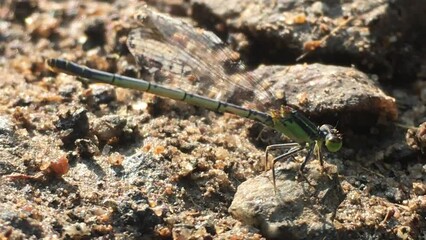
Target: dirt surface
{"type": "Point", "coordinates": [87, 162]}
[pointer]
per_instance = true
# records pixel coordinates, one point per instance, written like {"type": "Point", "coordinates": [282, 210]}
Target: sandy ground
{"type": "Point", "coordinates": [87, 162]}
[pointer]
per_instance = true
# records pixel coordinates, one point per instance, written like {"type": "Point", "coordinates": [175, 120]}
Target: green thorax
{"type": "Point", "coordinates": [294, 125]}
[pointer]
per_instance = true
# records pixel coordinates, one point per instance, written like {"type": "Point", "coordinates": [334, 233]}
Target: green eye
{"type": "Point", "coordinates": [333, 143]}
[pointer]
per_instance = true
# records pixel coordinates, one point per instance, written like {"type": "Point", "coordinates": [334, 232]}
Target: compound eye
{"type": "Point", "coordinates": [333, 143]}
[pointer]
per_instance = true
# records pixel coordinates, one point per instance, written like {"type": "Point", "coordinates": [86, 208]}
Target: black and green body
{"type": "Point", "coordinates": [287, 121]}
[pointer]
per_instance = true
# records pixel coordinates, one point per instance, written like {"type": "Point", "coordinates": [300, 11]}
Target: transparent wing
{"type": "Point", "coordinates": [177, 50]}
{"type": "Point", "coordinates": [162, 62]}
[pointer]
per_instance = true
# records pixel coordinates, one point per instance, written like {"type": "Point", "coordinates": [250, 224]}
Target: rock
{"type": "Point", "coordinates": [95, 32]}
{"type": "Point", "coordinates": [380, 37]}
{"type": "Point", "coordinates": [7, 129]}
{"type": "Point", "coordinates": [72, 124]}
{"type": "Point", "coordinates": [23, 9]}
{"type": "Point", "coordinates": [300, 209]}
{"type": "Point", "coordinates": [66, 91]}
{"type": "Point", "coordinates": [101, 94]}
{"type": "Point", "coordinates": [109, 127]}
{"type": "Point", "coordinates": [17, 219]}
{"type": "Point", "coordinates": [416, 138]}
{"type": "Point", "coordinates": [87, 148]}
{"type": "Point", "coordinates": [329, 91]}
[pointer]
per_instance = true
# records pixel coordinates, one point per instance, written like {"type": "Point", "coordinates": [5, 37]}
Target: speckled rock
{"type": "Point", "coordinates": [300, 209]}
{"type": "Point", "coordinates": [331, 92]}
{"type": "Point", "coordinates": [377, 36]}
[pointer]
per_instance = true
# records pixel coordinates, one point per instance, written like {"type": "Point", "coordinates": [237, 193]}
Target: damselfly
{"type": "Point", "coordinates": [200, 53]}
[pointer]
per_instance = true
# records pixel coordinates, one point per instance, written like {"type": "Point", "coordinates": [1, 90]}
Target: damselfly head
{"type": "Point", "coordinates": [333, 139]}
